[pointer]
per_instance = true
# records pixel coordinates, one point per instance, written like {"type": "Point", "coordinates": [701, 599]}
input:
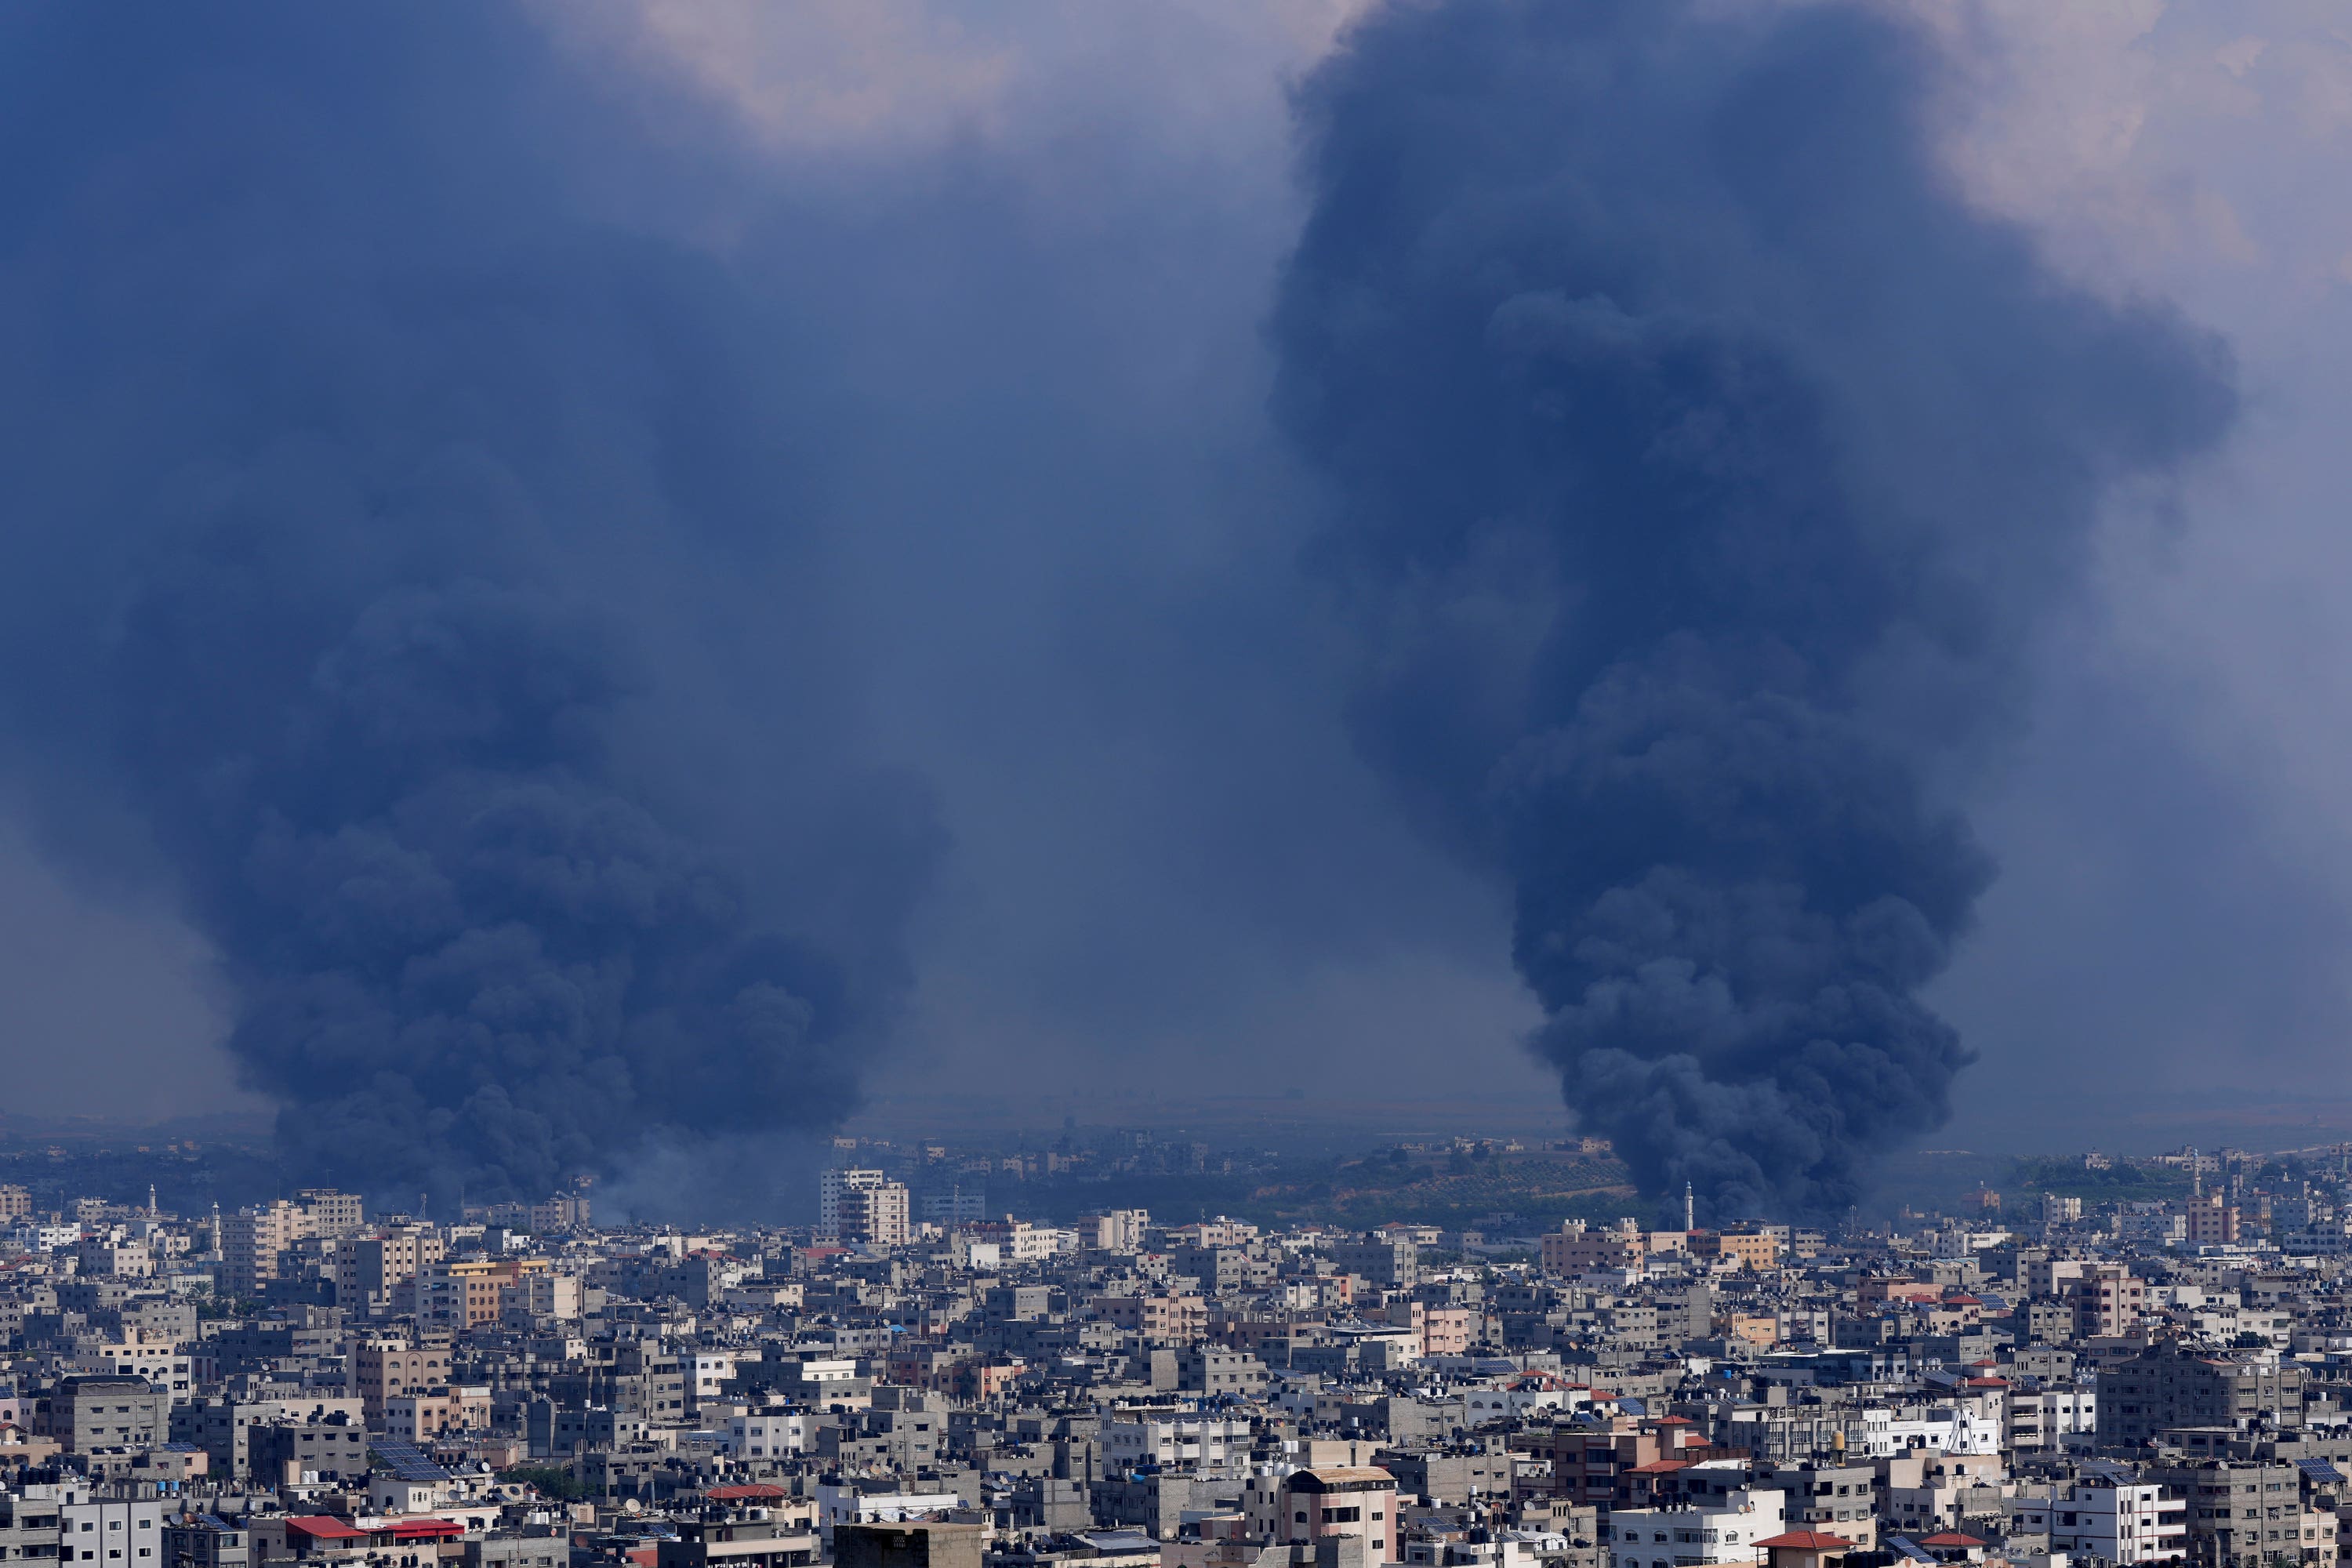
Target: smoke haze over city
{"type": "Point", "coordinates": [588, 589]}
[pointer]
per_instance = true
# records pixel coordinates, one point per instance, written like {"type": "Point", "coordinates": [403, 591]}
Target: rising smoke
{"type": "Point", "coordinates": [1703, 467]}
{"type": "Point", "coordinates": [386, 516]}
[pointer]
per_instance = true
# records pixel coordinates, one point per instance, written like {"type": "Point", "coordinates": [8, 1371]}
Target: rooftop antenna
{"type": "Point", "coordinates": [1690, 1209]}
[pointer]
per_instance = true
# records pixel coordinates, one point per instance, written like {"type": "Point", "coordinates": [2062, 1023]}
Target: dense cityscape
{"type": "Point", "coordinates": [1218, 783]}
{"type": "Point", "coordinates": [2033, 1378]}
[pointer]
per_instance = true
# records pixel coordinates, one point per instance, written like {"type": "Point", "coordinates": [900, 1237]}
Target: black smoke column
{"type": "Point", "coordinates": [1703, 464]}
{"type": "Point", "coordinates": [379, 492]}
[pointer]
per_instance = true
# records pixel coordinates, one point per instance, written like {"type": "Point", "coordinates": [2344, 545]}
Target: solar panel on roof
{"type": "Point", "coordinates": [2322, 1471]}
{"type": "Point", "coordinates": [406, 1461]}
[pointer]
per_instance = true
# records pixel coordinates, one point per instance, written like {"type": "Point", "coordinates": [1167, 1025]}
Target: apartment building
{"type": "Point", "coordinates": [1681, 1537]}
{"type": "Point", "coordinates": [381, 1369]}
{"type": "Point", "coordinates": [1391, 1263]}
{"type": "Point", "coordinates": [110, 1532]}
{"type": "Point", "coordinates": [2106, 1299]}
{"type": "Point", "coordinates": [1358, 1501]}
{"type": "Point", "coordinates": [862, 1206]}
{"type": "Point", "coordinates": [369, 1266]}
{"type": "Point", "coordinates": [2164, 1387]}
{"type": "Point", "coordinates": [2123, 1524]}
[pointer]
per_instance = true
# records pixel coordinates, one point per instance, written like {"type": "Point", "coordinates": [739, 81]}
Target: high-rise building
{"type": "Point", "coordinates": [330, 1213]}
{"type": "Point", "coordinates": [367, 1267]}
{"type": "Point", "coordinates": [2165, 1387]}
{"type": "Point", "coordinates": [250, 1241]}
{"type": "Point", "coordinates": [564, 1211]}
{"type": "Point", "coordinates": [862, 1206]}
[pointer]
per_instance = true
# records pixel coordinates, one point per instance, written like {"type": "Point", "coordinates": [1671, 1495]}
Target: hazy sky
{"type": "Point", "coordinates": [1031, 254]}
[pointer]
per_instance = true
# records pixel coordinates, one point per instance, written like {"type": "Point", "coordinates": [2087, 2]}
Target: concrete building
{"type": "Point", "coordinates": [2164, 1387]}
{"type": "Point", "coordinates": [251, 1241]}
{"type": "Point", "coordinates": [2240, 1514]}
{"type": "Point", "coordinates": [770, 1533]}
{"type": "Point", "coordinates": [88, 1413]}
{"type": "Point", "coordinates": [110, 1532]}
{"type": "Point", "coordinates": [368, 1267]}
{"type": "Point", "coordinates": [381, 1369]}
{"type": "Point", "coordinates": [1391, 1263]}
{"type": "Point", "coordinates": [2106, 1299]}
{"type": "Point", "coordinates": [1677, 1537]}
{"type": "Point", "coordinates": [1752, 1249]}
{"type": "Point", "coordinates": [1348, 1501]}
{"type": "Point", "coordinates": [2123, 1524]}
{"type": "Point", "coordinates": [1115, 1230]}
{"type": "Point", "coordinates": [906, 1545]}
{"type": "Point", "coordinates": [1187, 1444]}
{"type": "Point", "coordinates": [862, 1206]}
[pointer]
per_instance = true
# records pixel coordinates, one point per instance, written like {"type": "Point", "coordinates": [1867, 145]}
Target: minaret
{"type": "Point", "coordinates": [151, 1200]}
{"type": "Point", "coordinates": [2196, 1176]}
{"type": "Point", "coordinates": [1690, 1209]}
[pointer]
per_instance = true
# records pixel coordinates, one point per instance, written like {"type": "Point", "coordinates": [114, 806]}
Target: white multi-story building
{"type": "Point", "coordinates": [2041, 1419]}
{"type": "Point", "coordinates": [1679, 1537]}
{"type": "Point", "coordinates": [840, 1503]}
{"type": "Point", "coordinates": [109, 1534]}
{"type": "Point", "coordinates": [712, 1370]}
{"type": "Point", "coordinates": [2119, 1524]}
{"type": "Point", "coordinates": [159, 1361]}
{"type": "Point", "coordinates": [1961, 1427]}
{"type": "Point", "coordinates": [1175, 1445]}
{"type": "Point", "coordinates": [767, 1435]}
{"type": "Point", "coordinates": [1115, 1230]}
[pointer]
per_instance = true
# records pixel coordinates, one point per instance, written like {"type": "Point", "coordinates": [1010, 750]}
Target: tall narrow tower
{"type": "Point", "coordinates": [2196, 1176]}
{"type": "Point", "coordinates": [1690, 1210]}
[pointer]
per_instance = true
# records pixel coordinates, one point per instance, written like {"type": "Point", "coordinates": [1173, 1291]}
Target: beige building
{"type": "Point", "coordinates": [330, 1213]}
{"type": "Point", "coordinates": [1753, 1250]}
{"type": "Point", "coordinates": [250, 1241]}
{"type": "Point", "coordinates": [1115, 1230]}
{"type": "Point", "coordinates": [427, 1413]}
{"type": "Point", "coordinates": [2211, 1222]}
{"type": "Point", "coordinates": [2106, 1299]}
{"type": "Point", "coordinates": [1167, 1320]}
{"type": "Point", "coordinates": [1357, 1500]}
{"type": "Point", "coordinates": [384, 1369]}
{"type": "Point", "coordinates": [862, 1206]}
{"type": "Point", "coordinates": [565, 1211]}
{"type": "Point", "coordinates": [1578, 1248]}
{"type": "Point", "coordinates": [368, 1267]}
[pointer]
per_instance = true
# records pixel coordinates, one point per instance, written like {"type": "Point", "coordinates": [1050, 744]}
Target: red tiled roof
{"type": "Point", "coordinates": [745, 1494]}
{"type": "Point", "coordinates": [425, 1529]}
{"type": "Point", "coordinates": [645, 1556]}
{"type": "Point", "coordinates": [1808, 1540]}
{"type": "Point", "coordinates": [1659, 1467]}
{"type": "Point", "coordinates": [325, 1527]}
{"type": "Point", "coordinates": [1951, 1538]}
{"type": "Point", "coordinates": [1673, 1421]}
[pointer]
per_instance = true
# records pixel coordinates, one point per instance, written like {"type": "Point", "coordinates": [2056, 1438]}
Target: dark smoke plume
{"type": "Point", "coordinates": [1704, 465]}
{"type": "Point", "coordinates": [384, 510]}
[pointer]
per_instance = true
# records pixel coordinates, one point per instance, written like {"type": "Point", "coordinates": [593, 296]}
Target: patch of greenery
{"type": "Point", "coordinates": [2121, 1182]}
{"type": "Point", "coordinates": [561, 1484]}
